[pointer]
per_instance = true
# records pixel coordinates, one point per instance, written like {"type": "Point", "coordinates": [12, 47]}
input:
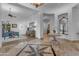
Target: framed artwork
{"type": "Point", "coordinates": [14, 25]}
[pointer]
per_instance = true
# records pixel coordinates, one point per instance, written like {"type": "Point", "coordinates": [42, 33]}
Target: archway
{"type": "Point", "coordinates": [63, 23]}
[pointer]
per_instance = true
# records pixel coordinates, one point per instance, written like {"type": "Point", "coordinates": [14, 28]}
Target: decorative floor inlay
{"type": "Point", "coordinates": [35, 47]}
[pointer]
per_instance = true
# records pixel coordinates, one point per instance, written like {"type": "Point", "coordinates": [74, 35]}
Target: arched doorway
{"type": "Point", "coordinates": [63, 24]}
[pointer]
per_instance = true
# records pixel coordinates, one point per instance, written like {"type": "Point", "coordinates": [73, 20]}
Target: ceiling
{"type": "Point", "coordinates": [25, 10]}
{"type": "Point", "coordinates": [17, 10]}
{"type": "Point", "coordinates": [49, 7]}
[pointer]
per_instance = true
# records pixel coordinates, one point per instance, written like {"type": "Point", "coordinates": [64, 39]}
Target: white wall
{"type": "Point", "coordinates": [22, 16]}
{"type": "Point", "coordinates": [75, 21]}
{"type": "Point", "coordinates": [0, 27]}
{"type": "Point", "coordinates": [70, 35]}
{"type": "Point", "coordinates": [75, 17]}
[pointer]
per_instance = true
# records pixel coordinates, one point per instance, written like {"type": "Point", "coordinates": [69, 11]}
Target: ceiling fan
{"type": "Point", "coordinates": [10, 15]}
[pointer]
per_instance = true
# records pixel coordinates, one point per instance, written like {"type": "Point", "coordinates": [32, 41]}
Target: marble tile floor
{"type": "Point", "coordinates": [66, 48]}
{"type": "Point", "coordinates": [62, 47]}
{"type": "Point", "coordinates": [6, 46]}
{"type": "Point", "coordinates": [43, 51]}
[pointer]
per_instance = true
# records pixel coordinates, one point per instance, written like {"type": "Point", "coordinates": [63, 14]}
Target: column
{"type": "Point", "coordinates": [39, 26]}
{"type": "Point", "coordinates": [51, 24]}
{"type": "Point", "coordinates": [56, 24]}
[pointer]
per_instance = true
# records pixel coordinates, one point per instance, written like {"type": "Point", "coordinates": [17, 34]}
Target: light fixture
{"type": "Point", "coordinates": [37, 4]}
{"type": "Point", "coordinates": [10, 15]}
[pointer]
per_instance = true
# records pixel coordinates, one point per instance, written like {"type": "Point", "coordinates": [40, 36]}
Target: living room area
{"type": "Point", "coordinates": [44, 29]}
